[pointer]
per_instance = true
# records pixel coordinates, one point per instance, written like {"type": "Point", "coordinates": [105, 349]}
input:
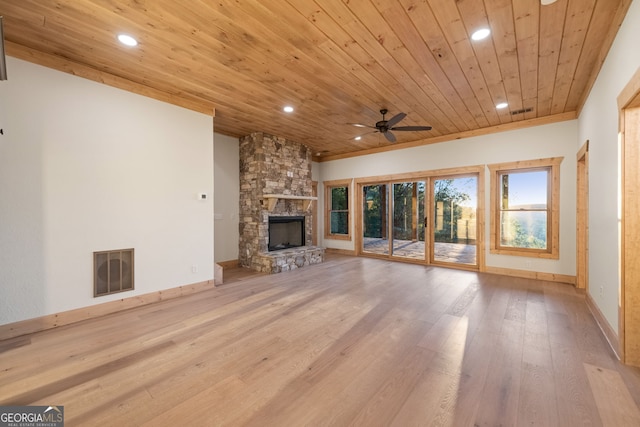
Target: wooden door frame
{"type": "Point", "coordinates": [582, 218]}
{"type": "Point", "coordinates": [314, 214]}
{"type": "Point", "coordinates": [629, 299]}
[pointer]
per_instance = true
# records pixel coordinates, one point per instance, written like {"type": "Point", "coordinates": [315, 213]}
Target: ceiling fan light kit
{"type": "Point", "coordinates": [386, 126]}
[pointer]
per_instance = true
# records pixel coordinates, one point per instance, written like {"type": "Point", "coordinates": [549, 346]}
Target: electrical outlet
{"type": "Point", "coordinates": [601, 291]}
{"type": "Point", "coordinates": [194, 268]}
{"type": "Point", "coordinates": [528, 264]}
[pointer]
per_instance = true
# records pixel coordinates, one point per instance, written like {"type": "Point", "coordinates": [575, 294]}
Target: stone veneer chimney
{"type": "Point", "coordinates": [273, 165]}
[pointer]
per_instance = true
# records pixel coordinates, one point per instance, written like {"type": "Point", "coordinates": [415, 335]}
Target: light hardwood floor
{"type": "Point", "coordinates": [352, 341]}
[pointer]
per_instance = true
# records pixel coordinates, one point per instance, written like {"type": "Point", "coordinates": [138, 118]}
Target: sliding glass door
{"type": "Point", "coordinates": [423, 219]}
{"type": "Point", "coordinates": [393, 219]}
{"type": "Point", "coordinates": [375, 222]}
{"type": "Point", "coordinates": [455, 227]}
{"type": "Point", "coordinates": [408, 220]}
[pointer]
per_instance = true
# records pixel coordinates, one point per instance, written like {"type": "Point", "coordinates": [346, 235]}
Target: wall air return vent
{"type": "Point", "coordinates": [112, 272]}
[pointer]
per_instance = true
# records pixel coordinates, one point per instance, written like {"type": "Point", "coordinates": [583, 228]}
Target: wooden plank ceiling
{"type": "Point", "coordinates": [335, 61]}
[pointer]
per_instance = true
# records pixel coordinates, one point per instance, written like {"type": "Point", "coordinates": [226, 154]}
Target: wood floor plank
{"type": "Point", "coordinates": [425, 398]}
{"type": "Point", "coordinates": [331, 381]}
{"type": "Point", "coordinates": [384, 371]}
{"type": "Point", "coordinates": [537, 404]}
{"type": "Point", "coordinates": [588, 337]}
{"type": "Point", "coordinates": [383, 406]}
{"type": "Point", "coordinates": [351, 341]}
{"type": "Point", "coordinates": [516, 309]}
{"type": "Point", "coordinates": [538, 394]}
{"type": "Point", "coordinates": [576, 403]}
{"type": "Point", "coordinates": [615, 404]}
{"type": "Point", "coordinates": [435, 338]}
{"type": "Point", "coordinates": [197, 409]}
{"type": "Point", "coordinates": [461, 409]}
{"type": "Point", "coordinates": [502, 387]}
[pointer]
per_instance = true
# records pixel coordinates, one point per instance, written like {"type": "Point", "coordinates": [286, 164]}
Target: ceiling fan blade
{"type": "Point", "coordinates": [361, 125]}
{"type": "Point", "coordinates": [367, 133]}
{"type": "Point", "coordinates": [395, 119]}
{"type": "Point", "coordinates": [412, 128]}
{"type": "Point", "coordinates": [390, 137]}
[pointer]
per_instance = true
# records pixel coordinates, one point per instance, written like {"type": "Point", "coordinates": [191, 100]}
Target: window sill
{"type": "Point", "coordinates": [525, 253]}
{"type": "Point", "coordinates": [337, 236]}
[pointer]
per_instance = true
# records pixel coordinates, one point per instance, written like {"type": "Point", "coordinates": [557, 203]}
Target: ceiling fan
{"type": "Point", "coordinates": [386, 126]}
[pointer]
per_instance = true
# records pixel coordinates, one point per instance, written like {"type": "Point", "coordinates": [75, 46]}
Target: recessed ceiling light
{"type": "Point", "coordinates": [127, 40]}
{"type": "Point", "coordinates": [480, 34]}
{"type": "Point", "coordinates": [546, 2]}
{"type": "Point", "coordinates": [288, 109]}
{"type": "Point", "coordinates": [502, 105]}
{"type": "Point", "coordinates": [358, 138]}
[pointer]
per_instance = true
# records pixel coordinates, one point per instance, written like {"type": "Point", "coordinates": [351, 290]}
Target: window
{"type": "Point", "coordinates": [525, 208]}
{"type": "Point", "coordinates": [337, 215]}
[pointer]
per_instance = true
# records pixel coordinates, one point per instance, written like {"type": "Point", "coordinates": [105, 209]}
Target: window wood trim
{"type": "Point", "coordinates": [328, 186]}
{"type": "Point", "coordinates": [553, 231]}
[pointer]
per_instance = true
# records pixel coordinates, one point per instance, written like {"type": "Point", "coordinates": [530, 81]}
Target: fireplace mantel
{"type": "Point", "coordinates": [273, 199]}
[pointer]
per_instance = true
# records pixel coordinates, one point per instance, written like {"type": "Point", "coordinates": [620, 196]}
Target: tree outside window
{"type": "Point", "coordinates": [454, 218]}
{"type": "Point", "coordinates": [337, 212]}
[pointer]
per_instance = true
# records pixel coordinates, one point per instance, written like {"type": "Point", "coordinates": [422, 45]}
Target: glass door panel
{"type": "Point", "coordinates": [408, 220]}
{"type": "Point", "coordinates": [375, 225]}
{"type": "Point", "coordinates": [455, 202]}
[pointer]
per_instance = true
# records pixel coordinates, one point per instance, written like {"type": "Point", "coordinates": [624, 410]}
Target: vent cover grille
{"type": "Point", "coordinates": [524, 110]}
{"type": "Point", "coordinates": [112, 272]}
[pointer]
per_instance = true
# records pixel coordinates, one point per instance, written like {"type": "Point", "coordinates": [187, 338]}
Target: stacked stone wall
{"type": "Point", "coordinates": [271, 165]}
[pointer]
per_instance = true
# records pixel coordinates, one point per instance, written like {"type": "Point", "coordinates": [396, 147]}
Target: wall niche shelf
{"type": "Point", "coordinates": [272, 200]}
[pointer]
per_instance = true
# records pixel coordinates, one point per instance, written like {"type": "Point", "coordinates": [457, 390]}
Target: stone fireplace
{"type": "Point", "coordinates": [275, 195]}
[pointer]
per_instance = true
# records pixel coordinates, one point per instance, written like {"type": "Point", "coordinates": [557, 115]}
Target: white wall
{"type": "Point", "coordinates": [598, 123]}
{"type": "Point", "coordinates": [86, 167]}
{"type": "Point", "coordinates": [315, 172]}
{"type": "Point", "coordinates": [227, 197]}
{"type": "Point", "coordinates": [552, 140]}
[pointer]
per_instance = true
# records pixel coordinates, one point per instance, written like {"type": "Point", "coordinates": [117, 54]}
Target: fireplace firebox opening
{"type": "Point", "coordinates": [286, 232]}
